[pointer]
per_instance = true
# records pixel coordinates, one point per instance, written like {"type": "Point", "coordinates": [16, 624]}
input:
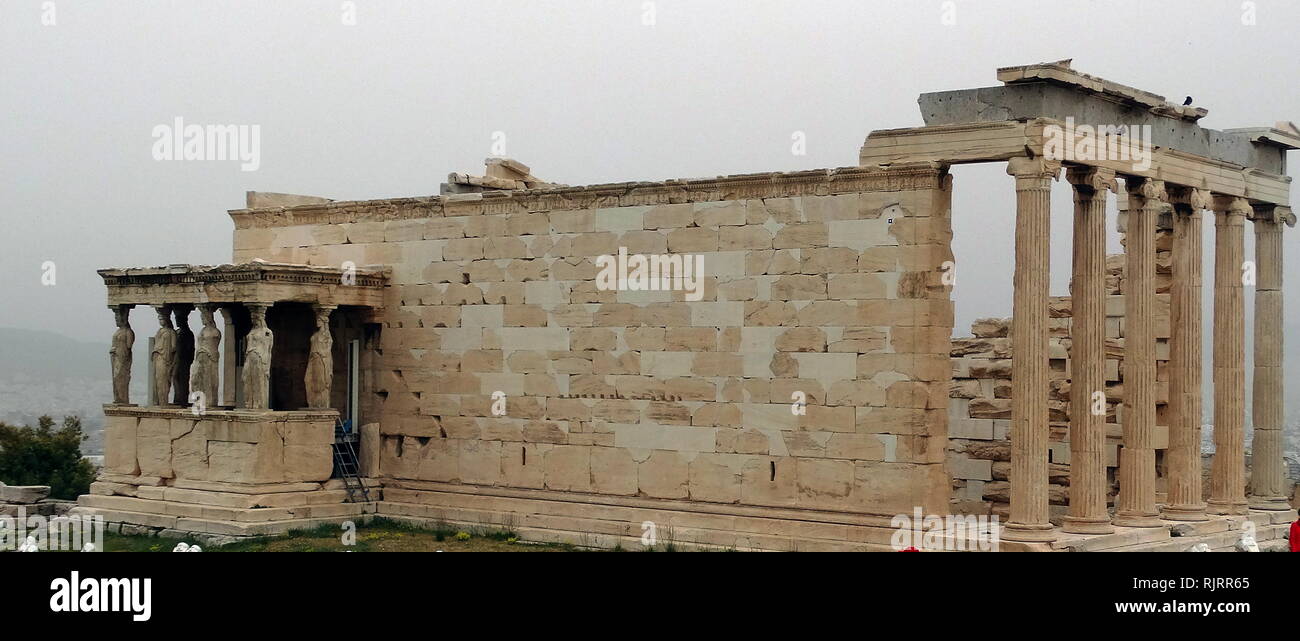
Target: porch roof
{"type": "Point", "coordinates": [255, 282]}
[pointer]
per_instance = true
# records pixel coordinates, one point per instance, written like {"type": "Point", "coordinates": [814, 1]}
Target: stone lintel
{"type": "Point", "coordinates": [250, 283]}
{"type": "Point", "coordinates": [999, 141]}
{"type": "Point", "coordinates": [237, 415]}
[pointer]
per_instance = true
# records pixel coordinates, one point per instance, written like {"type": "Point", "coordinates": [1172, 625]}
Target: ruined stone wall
{"type": "Point", "coordinates": [825, 282]}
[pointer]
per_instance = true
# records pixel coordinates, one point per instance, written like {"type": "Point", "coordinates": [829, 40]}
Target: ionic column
{"type": "Point", "coordinates": [1029, 367]}
{"type": "Point", "coordinates": [1268, 473]}
{"type": "Point", "coordinates": [1136, 505]}
{"type": "Point", "coordinates": [1185, 502]}
{"type": "Point", "coordinates": [320, 361]}
{"type": "Point", "coordinates": [228, 357]}
{"type": "Point", "coordinates": [119, 354]}
{"type": "Point", "coordinates": [184, 355]}
{"type": "Point", "coordinates": [1228, 469]}
{"type": "Point", "coordinates": [1088, 353]}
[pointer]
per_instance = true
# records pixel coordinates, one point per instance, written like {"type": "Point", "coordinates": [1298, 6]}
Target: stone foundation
{"type": "Point", "coordinates": [224, 509]}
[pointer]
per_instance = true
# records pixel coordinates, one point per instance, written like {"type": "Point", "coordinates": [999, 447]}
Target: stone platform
{"type": "Point", "coordinates": [216, 513]}
{"type": "Point", "coordinates": [222, 511]}
{"type": "Point", "coordinates": [598, 521]}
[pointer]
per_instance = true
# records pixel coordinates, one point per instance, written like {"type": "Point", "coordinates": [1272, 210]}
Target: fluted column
{"type": "Point", "coordinates": [1136, 505]}
{"type": "Point", "coordinates": [1088, 353]}
{"type": "Point", "coordinates": [1185, 502]}
{"type": "Point", "coordinates": [229, 381]}
{"type": "Point", "coordinates": [1228, 469]}
{"type": "Point", "coordinates": [1029, 429]}
{"type": "Point", "coordinates": [1268, 474]}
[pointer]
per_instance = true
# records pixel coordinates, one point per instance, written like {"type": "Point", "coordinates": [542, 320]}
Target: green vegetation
{"type": "Point", "coordinates": [380, 535]}
{"type": "Point", "coordinates": [43, 455]}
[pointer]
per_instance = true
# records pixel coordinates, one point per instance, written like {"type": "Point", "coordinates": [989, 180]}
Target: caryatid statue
{"type": "Point", "coordinates": [257, 361]}
{"type": "Point", "coordinates": [163, 356]}
{"type": "Point", "coordinates": [205, 373]}
{"type": "Point", "coordinates": [184, 355]}
{"type": "Point", "coordinates": [120, 355]}
{"type": "Point", "coordinates": [320, 362]}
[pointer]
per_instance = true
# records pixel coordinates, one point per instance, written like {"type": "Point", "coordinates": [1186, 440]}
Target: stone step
{"type": "Point", "coordinates": [225, 528]}
{"type": "Point", "coordinates": [216, 513]}
{"type": "Point", "coordinates": [1122, 537]}
{"type": "Point", "coordinates": [1199, 528]}
{"type": "Point", "coordinates": [631, 517]}
{"type": "Point", "coordinates": [594, 533]}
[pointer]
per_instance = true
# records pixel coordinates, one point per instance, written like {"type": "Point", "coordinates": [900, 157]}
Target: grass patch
{"type": "Point", "coordinates": [384, 535]}
{"type": "Point", "coordinates": [380, 535]}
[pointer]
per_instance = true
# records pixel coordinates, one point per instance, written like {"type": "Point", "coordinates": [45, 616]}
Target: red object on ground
{"type": "Point", "coordinates": [913, 549]}
{"type": "Point", "coordinates": [1295, 536]}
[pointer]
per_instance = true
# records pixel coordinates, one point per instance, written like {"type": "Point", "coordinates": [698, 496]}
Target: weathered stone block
{"type": "Point", "coordinates": [23, 494]}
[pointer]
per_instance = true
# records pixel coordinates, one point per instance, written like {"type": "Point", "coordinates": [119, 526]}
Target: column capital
{"type": "Point", "coordinates": [1270, 213]}
{"type": "Point", "coordinates": [1231, 205]}
{"type": "Point", "coordinates": [1039, 167]}
{"type": "Point", "coordinates": [1146, 188]}
{"type": "Point", "coordinates": [323, 312]}
{"type": "Point", "coordinates": [164, 314]}
{"type": "Point", "coordinates": [121, 313]}
{"type": "Point", "coordinates": [1192, 197]}
{"type": "Point", "coordinates": [1094, 179]}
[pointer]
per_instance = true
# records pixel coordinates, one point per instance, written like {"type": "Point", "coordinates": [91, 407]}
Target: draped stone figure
{"type": "Point", "coordinates": [257, 361]}
{"type": "Point", "coordinates": [163, 356]}
{"type": "Point", "coordinates": [184, 355]}
{"type": "Point", "coordinates": [205, 376]}
{"type": "Point", "coordinates": [320, 362]}
{"type": "Point", "coordinates": [120, 355]}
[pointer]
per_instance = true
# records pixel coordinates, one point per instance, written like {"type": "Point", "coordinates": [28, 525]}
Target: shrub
{"type": "Point", "coordinates": [43, 455]}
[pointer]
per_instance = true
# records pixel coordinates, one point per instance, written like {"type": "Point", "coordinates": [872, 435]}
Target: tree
{"type": "Point", "coordinates": [43, 455]}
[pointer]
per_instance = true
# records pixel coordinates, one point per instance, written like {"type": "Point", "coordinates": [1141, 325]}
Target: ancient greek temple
{"type": "Point", "coordinates": [813, 397]}
{"type": "Point", "coordinates": [1238, 175]}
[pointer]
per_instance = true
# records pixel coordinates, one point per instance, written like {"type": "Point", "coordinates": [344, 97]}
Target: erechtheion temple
{"type": "Point", "coordinates": [760, 361]}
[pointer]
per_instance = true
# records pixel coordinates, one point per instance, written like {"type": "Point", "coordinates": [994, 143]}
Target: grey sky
{"type": "Point", "coordinates": [583, 90]}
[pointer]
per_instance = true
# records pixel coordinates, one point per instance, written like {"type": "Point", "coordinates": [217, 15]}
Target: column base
{"type": "Point", "coordinates": [1227, 508]}
{"type": "Point", "coordinates": [1028, 532]}
{"type": "Point", "coordinates": [1184, 513]}
{"type": "Point", "coordinates": [1137, 519]}
{"type": "Point", "coordinates": [1081, 525]}
{"type": "Point", "coordinates": [1270, 503]}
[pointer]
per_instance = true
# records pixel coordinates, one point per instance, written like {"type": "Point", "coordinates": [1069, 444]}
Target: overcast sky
{"type": "Point", "coordinates": [583, 91]}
